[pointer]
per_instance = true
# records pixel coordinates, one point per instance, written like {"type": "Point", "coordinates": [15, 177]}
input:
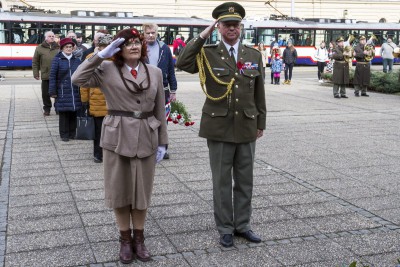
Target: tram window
{"type": "Point", "coordinates": [265, 36]}
{"type": "Point", "coordinates": [3, 34]}
{"type": "Point", "coordinates": [214, 38]}
{"type": "Point", "coordinates": [4, 37]}
{"type": "Point", "coordinates": [320, 37]}
{"type": "Point", "coordinates": [196, 32]}
{"type": "Point", "coordinates": [162, 34]}
{"type": "Point", "coordinates": [184, 32]}
{"type": "Point", "coordinates": [391, 34]}
{"type": "Point", "coordinates": [305, 38]}
{"type": "Point", "coordinates": [249, 37]}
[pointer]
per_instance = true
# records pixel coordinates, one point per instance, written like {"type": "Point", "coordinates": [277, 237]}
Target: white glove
{"type": "Point", "coordinates": [111, 49]}
{"type": "Point", "coordinates": [160, 153]}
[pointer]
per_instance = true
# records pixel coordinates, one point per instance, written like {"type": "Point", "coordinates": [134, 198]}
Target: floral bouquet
{"type": "Point", "coordinates": [176, 113]}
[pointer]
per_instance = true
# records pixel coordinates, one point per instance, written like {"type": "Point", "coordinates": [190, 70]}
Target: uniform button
{"type": "Point", "coordinates": [252, 116]}
{"type": "Point", "coordinates": [236, 73]}
{"type": "Point", "coordinates": [236, 112]}
{"type": "Point", "coordinates": [217, 74]}
{"type": "Point", "coordinates": [237, 99]}
{"type": "Point", "coordinates": [237, 86]}
{"type": "Point", "coordinates": [138, 101]}
{"type": "Point", "coordinates": [213, 114]}
{"type": "Point", "coordinates": [251, 75]}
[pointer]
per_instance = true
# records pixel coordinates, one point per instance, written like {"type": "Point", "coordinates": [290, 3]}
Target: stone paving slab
{"type": "Point", "coordinates": [325, 188]}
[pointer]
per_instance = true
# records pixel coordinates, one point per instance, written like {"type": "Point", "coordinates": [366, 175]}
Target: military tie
{"type": "Point", "coordinates": [134, 73]}
{"type": "Point", "coordinates": [232, 53]}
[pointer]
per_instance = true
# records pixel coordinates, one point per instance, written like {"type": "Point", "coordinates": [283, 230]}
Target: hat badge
{"type": "Point", "coordinates": [231, 9]}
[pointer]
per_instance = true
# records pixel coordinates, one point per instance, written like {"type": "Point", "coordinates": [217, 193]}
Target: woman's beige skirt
{"type": "Point", "coordinates": [128, 181]}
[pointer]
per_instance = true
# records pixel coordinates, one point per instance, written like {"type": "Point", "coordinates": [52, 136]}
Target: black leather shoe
{"type": "Point", "coordinates": [344, 96]}
{"type": "Point", "coordinates": [226, 240]}
{"type": "Point", "coordinates": [64, 139]}
{"type": "Point", "coordinates": [250, 236]}
{"type": "Point", "coordinates": [166, 155]}
{"type": "Point", "coordinates": [97, 160]}
{"type": "Point", "coordinates": [356, 94]}
{"type": "Point", "coordinates": [364, 95]}
{"type": "Point", "coordinates": [336, 96]}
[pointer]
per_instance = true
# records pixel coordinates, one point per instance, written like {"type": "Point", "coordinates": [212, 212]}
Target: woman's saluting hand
{"type": "Point", "coordinates": [112, 48]}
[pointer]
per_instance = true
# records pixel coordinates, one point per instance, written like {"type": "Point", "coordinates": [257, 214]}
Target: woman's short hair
{"type": "Point", "coordinates": [129, 35]}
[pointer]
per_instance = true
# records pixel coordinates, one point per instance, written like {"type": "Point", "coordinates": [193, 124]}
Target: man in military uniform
{"type": "Point", "coordinates": [340, 75]}
{"type": "Point", "coordinates": [234, 116]}
{"type": "Point", "coordinates": [362, 74]}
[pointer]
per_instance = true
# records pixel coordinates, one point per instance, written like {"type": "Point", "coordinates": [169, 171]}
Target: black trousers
{"type": "Point", "coordinates": [45, 95]}
{"type": "Point", "coordinates": [67, 124]}
{"type": "Point", "coordinates": [321, 66]}
{"type": "Point", "coordinates": [288, 68]}
{"type": "Point", "coordinates": [97, 150]}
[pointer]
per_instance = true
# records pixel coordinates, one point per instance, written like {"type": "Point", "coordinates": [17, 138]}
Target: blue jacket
{"type": "Point", "coordinates": [60, 84]}
{"type": "Point", "coordinates": [276, 65]}
{"type": "Point", "coordinates": [166, 64]}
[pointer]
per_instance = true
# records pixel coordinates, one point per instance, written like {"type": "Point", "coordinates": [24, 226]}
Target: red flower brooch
{"type": "Point", "coordinates": [240, 66]}
{"type": "Point", "coordinates": [135, 32]}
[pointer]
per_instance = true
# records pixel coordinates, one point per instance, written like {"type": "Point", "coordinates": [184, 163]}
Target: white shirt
{"type": "Point", "coordinates": [235, 47]}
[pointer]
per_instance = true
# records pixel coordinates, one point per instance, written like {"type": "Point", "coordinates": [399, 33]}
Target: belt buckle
{"type": "Point", "coordinates": [137, 114]}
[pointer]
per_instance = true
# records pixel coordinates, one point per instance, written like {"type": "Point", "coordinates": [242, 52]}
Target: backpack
{"type": "Point", "coordinates": [178, 49]}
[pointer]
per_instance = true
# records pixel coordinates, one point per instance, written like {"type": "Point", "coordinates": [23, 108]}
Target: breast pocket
{"type": "Point", "coordinates": [110, 130]}
{"type": "Point", "coordinates": [220, 72]}
{"type": "Point", "coordinates": [250, 79]}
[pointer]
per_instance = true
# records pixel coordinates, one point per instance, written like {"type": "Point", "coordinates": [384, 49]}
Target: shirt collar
{"type": "Point", "coordinates": [129, 68]}
{"type": "Point", "coordinates": [235, 46]}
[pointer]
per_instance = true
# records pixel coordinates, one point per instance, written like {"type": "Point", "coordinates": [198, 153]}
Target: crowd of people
{"type": "Point", "coordinates": [125, 82]}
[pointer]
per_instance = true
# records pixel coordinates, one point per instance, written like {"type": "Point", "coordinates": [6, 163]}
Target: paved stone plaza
{"type": "Point", "coordinates": [326, 186]}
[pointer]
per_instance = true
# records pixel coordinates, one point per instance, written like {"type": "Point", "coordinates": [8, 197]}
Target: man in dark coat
{"type": "Point", "coordinates": [340, 75]}
{"type": "Point", "coordinates": [41, 61]}
{"type": "Point", "coordinates": [160, 55]}
{"type": "Point", "coordinates": [362, 75]}
{"type": "Point", "coordinates": [234, 116]}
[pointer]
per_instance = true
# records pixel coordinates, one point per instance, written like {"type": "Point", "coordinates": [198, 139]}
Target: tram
{"type": "Point", "coordinates": [16, 29]}
{"type": "Point", "coordinates": [307, 35]}
{"type": "Point", "coordinates": [17, 45]}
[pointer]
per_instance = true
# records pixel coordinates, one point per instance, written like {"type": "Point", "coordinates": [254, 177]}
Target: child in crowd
{"type": "Point", "coordinates": [277, 67]}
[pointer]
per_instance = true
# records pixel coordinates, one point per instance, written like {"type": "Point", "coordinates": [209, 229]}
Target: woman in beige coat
{"type": "Point", "coordinates": [134, 133]}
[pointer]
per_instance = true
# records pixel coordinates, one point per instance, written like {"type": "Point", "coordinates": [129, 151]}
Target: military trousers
{"type": "Point", "coordinates": [358, 88]}
{"type": "Point", "coordinates": [232, 163]}
{"type": "Point", "coordinates": [336, 89]}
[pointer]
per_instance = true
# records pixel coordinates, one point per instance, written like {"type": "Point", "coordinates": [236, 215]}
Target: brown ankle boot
{"type": "Point", "coordinates": [126, 250]}
{"type": "Point", "coordinates": [139, 247]}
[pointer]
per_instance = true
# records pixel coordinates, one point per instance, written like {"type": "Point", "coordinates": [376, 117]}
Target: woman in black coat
{"type": "Point", "coordinates": [66, 94]}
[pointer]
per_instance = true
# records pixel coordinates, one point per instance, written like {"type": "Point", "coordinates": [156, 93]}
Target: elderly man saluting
{"type": "Point", "coordinates": [234, 116]}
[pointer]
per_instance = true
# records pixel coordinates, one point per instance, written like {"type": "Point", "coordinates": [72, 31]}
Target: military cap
{"type": "Point", "coordinates": [229, 11]}
{"type": "Point", "coordinates": [340, 39]}
{"type": "Point", "coordinates": [362, 37]}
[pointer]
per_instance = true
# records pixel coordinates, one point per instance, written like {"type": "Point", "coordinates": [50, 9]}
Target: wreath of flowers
{"type": "Point", "coordinates": [176, 113]}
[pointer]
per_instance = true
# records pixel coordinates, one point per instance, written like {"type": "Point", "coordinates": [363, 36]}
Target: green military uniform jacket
{"type": "Point", "coordinates": [362, 74]}
{"type": "Point", "coordinates": [235, 118]}
{"type": "Point", "coordinates": [340, 67]}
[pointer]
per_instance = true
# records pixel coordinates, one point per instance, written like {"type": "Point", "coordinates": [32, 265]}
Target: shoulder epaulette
{"type": "Point", "coordinates": [210, 45]}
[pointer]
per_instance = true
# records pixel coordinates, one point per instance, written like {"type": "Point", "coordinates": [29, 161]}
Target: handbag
{"type": "Point", "coordinates": [85, 126]}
